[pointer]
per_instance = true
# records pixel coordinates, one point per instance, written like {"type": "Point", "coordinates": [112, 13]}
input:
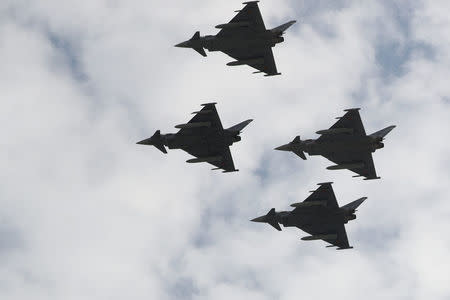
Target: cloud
{"type": "Point", "coordinates": [86, 213]}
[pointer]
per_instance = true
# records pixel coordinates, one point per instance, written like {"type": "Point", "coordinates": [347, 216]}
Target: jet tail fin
{"type": "Point", "coordinates": [240, 126]}
{"type": "Point", "coordinates": [282, 28]}
{"type": "Point", "coordinates": [383, 132]}
{"type": "Point", "coordinates": [354, 205]}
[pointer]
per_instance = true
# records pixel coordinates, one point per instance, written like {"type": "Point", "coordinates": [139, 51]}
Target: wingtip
{"type": "Point", "coordinates": [230, 171]}
{"type": "Point", "coordinates": [210, 103]}
{"type": "Point", "coordinates": [344, 248]}
{"type": "Point", "coordinates": [372, 178]}
{"type": "Point", "coordinates": [325, 183]}
{"type": "Point", "coordinates": [273, 74]}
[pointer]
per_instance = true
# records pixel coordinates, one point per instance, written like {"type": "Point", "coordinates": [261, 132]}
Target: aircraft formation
{"type": "Point", "coordinates": [246, 39]}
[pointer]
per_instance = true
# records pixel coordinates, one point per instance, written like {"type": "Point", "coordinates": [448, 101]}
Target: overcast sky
{"type": "Point", "coordinates": [85, 213]}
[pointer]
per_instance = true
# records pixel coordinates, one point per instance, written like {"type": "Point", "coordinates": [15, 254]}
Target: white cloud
{"type": "Point", "coordinates": [86, 213]}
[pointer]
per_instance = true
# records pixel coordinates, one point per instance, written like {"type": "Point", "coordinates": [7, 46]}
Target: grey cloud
{"type": "Point", "coordinates": [11, 239]}
{"type": "Point", "coordinates": [70, 55]}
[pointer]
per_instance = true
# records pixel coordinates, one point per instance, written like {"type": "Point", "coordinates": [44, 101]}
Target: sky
{"type": "Point", "coordinates": [85, 213]}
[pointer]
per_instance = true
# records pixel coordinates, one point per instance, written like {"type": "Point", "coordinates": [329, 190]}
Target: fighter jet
{"type": "Point", "coordinates": [319, 215]}
{"type": "Point", "coordinates": [203, 137]}
{"type": "Point", "coordinates": [345, 144]}
{"type": "Point", "coordinates": [244, 38]}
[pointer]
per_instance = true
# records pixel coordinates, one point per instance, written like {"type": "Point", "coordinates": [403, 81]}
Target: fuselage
{"type": "Point", "coordinates": [224, 43]}
{"type": "Point", "coordinates": [314, 216]}
{"type": "Point", "coordinates": [211, 141]}
{"type": "Point", "coordinates": [362, 144]}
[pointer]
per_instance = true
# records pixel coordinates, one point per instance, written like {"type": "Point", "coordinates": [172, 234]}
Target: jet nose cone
{"type": "Point", "coordinates": [183, 45]}
{"type": "Point", "coordinates": [259, 219]}
{"type": "Point", "coordinates": [286, 147]}
{"type": "Point", "coordinates": [145, 142]}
